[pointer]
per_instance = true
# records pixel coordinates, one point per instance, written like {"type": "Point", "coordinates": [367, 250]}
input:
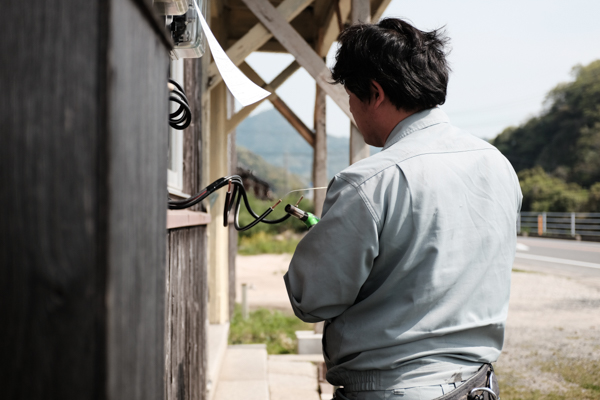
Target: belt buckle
{"type": "Point", "coordinates": [488, 389]}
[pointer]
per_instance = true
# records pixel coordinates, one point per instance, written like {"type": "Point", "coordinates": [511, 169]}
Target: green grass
{"type": "Point", "coordinates": [265, 243]}
{"type": "Point", "coordinates": [583, 375]}
{"type": "Point", "coordinates": [271, 327]}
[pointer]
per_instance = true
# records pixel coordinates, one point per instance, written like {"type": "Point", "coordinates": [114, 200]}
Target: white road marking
{"type": "Point", "coordinates": [522, 247]}
{"type": "Point", "coordinates": [558, 260]}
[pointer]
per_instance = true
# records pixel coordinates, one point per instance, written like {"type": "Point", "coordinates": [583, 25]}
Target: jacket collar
{"type": "Point", "coordinates": [416, 122]}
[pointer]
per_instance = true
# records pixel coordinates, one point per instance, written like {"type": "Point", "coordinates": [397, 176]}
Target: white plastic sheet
{"type": "Point", "coordinates": [242, 88]}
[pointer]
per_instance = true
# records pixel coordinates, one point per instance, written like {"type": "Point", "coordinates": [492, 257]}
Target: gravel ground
{"type": "Point", "coordinates": [552, 319]}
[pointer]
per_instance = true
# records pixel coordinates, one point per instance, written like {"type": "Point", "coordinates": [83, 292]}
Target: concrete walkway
{"type": "Point", "coordinates": [249, 373]}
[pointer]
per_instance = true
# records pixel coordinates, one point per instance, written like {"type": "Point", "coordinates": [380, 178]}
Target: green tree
{"type": "Point", "coordinates": [593, 204]}
{"type": "Point", "coordinates": [542, 192]}
{"type": "Point", "coordinates": [565, 139]}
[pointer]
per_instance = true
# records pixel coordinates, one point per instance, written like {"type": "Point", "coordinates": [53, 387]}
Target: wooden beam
{"type": "Point", "coordinates": [257, 36]}
{"type": "Point", "coordinates": [330, 27]}
{"type": "Point", "coordinates": [320, 150]}
{"type": "Point", "coordinates": [293, 119]}
{"type": "Point", "coordinates": [377, 11]}
{"type": "Point", "coordinates": [241, 115]}
{"type": "Point", "coordinates": [297, 46]}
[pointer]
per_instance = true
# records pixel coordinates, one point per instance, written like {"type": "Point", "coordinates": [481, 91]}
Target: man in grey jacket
{"type": "Point", "coordinates": [410, 264]}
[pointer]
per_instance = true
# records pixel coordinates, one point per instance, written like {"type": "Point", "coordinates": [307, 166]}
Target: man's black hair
{"type": "Point", "coordinates": [409, 64]}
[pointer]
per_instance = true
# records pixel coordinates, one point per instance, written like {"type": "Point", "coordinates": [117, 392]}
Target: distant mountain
{"type": "Point", "coordinates": [269, 135]}
{"type": "Point", "coordinates": [280, 180]}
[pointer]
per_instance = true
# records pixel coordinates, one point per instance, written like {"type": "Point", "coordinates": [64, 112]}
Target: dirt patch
{"type": "Point", "coordinates": [552, 341]}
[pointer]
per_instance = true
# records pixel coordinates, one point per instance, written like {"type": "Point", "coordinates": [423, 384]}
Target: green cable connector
{"type": "Point", "coordinates": [309, 219]}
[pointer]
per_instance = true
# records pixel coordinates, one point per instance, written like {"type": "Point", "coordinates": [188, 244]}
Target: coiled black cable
{"type": "Point", "coordinates": [233, 198]}
{"type": "Point", "coordinates": [177, 95]}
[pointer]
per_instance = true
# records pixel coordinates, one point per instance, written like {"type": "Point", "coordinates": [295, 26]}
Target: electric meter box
{"type": "Point", "coordinates": [187, 33]}
{"type": "Point", "coordinates": [170, 7]}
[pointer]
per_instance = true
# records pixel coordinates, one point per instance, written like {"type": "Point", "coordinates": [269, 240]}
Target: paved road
{"type": "Point", "coordinates": [563, 257]}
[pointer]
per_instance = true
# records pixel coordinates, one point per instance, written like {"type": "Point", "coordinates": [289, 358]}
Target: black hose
{"type": "Point", "coordinates": [235, 196]}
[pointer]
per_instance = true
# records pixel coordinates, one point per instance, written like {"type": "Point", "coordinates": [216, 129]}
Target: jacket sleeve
{"type": "Point", "coordinates": [334, 259]}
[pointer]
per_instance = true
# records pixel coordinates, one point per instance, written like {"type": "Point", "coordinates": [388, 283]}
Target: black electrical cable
{"type": "Point", "coordinates": [177, 85]}
{"type": "Point", "coordinates": [235, 194]}
{"type": "Point", "coordinates": [177, 95]}
{"type": "Point", "coordinates": [186, 119]}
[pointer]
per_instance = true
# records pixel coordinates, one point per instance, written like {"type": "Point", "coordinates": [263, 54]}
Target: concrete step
{"type": "Point", "coordinates": [294, 376]}
{"type": "Point", "coordinates": [243, 373]}
{"type": "Point", "coordinates": [248, 373]}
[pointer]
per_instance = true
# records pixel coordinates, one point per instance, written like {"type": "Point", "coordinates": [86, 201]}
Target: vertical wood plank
{"type": "Point", "coordinates": [192, 136]}
{"type": "Point", "coordinates": [83, 116]}
{"type": "Point", "coordinates": [137, 112]}
{"type": "Point", "coordinates": [320, 150]}
{"type": "Point", "coordinates": [186, 336]}
{"type": "Point", "coordinates": [51, 230]}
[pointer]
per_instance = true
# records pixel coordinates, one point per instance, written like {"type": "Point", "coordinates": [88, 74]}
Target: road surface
{"type": "Point", "coordinates": [562, 257]}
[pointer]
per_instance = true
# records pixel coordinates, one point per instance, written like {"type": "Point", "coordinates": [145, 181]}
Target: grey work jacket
{"type": "Point", "coordinates": [410, 264]}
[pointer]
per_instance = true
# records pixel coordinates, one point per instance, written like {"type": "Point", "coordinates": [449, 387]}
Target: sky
{"type": "Point", "coordinates": [505, 57]}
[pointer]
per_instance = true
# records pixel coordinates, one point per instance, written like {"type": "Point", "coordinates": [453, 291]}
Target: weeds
{"type": "Point", "coordinates": [272, 327]}
{"type": "Point", "coordinates": [582, 377]}
{"type": "Point", "coordinates": [264, 243]}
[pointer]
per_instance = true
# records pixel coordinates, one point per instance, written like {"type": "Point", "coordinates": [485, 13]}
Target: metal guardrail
{"type": "Point", "coordinates": [560, 223]}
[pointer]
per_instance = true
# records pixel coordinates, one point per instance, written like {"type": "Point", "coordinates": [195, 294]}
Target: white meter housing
{"type": "Point", "coordinates": [186, 32]}
{"type": "Point", "coordinates": [170, 7]}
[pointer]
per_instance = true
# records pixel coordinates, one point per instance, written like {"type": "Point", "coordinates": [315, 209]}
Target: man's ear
{"type": "Point", "coordinates": [377, 94]}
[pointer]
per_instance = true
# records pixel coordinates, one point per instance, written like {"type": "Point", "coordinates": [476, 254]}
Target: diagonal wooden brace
{"type": "Point", "coordinates": [242, 114]}
{"type": "Point", "coordinates": [281, 106]}
{"type": "Point", "coordinates": [297, 46]}
{"type": "Point", "coordinates": [255, 38]}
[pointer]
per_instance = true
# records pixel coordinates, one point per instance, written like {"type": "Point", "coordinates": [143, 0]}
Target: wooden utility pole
{"type": "Point", "coordinates": [361, 13]}
{"type": "Point", "coordinates": [320, 150]}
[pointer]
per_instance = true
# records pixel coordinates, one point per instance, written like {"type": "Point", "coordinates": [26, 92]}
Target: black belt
{"type": "Point", "coordinates": [481, 386]}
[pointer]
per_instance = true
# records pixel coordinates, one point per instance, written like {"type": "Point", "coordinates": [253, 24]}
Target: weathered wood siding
{"type": "Point", "coordinates": [186, 314]}
{"type": "Point", "coordinates": [192, 137]}
{"type": "Point", "coordinates": [83, 119]}
{"type": "Point", "coordinates": [186, 278]}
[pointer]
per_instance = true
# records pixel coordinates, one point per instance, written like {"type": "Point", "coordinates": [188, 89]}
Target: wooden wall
{"type": "Point", "coordinates": [186, 276]}
{"type": "Point", "coordinates": [83, 122]}
{"type": "Point", "coordinates": [186, 314]}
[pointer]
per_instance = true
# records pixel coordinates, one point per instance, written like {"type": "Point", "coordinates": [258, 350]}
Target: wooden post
{"type": "Point", "coordinates": [233, 234]}
{"type": "Point", "coordinates": [540, 224]}
{"type": "Point", "coordinates": [320, 150]}
{"type": "Point", "coordinates": [361, 13]}
{"type": "Point", "coordinates": [244, 301]}
{"type": "Point", "coordinates": [83, 170]}
{"type": "Point", "coordinates": [218, 236]}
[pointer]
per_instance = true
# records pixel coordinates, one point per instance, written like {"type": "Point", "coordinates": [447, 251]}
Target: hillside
{"type": "Point", "coordinates": [565, 139]}
{"type": "Point", "coordinates": [557, 154]}
{"type": "Point", "coordinates": [281, 181]}
{"type": "Point", "coordinates": [269, 135]}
